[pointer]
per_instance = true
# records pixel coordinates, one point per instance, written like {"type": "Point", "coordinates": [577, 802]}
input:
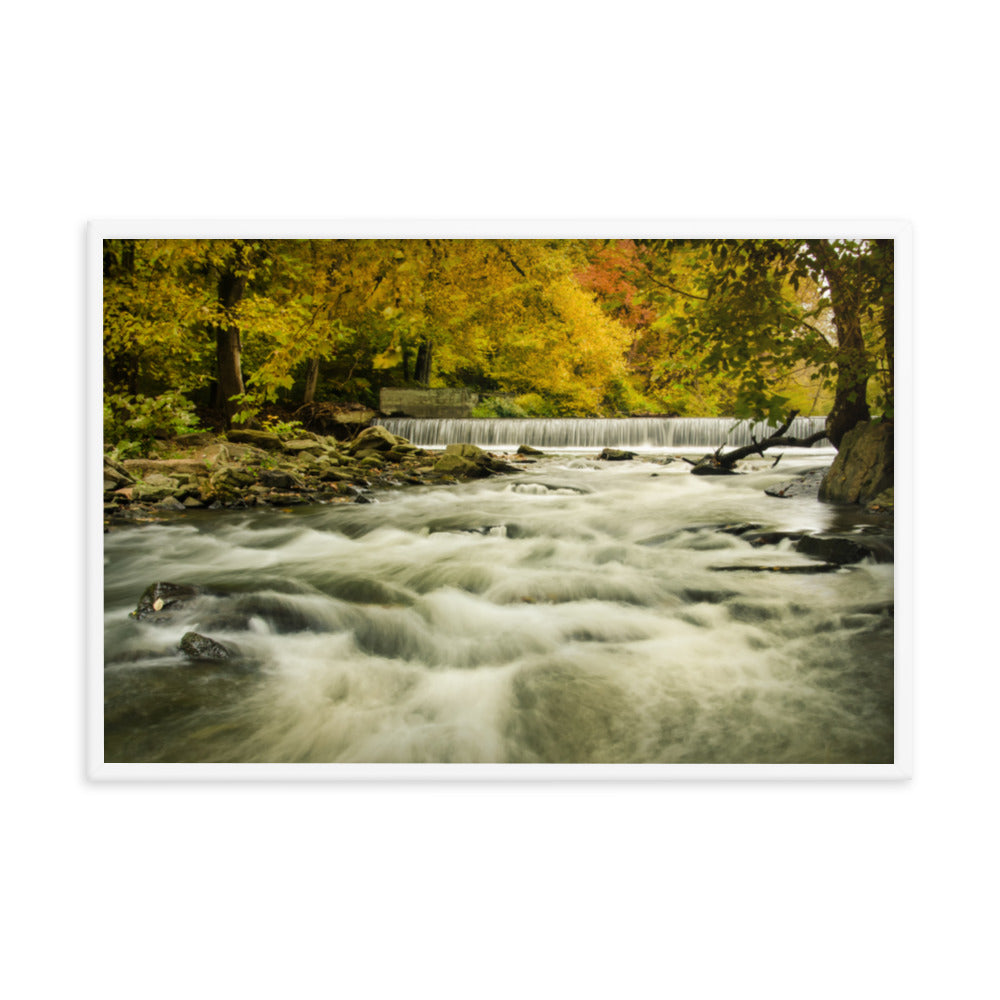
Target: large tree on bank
{"type": "Point", "coordinates": [760, 308]}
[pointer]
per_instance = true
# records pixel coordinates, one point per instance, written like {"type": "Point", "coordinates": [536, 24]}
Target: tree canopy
{"type": "Point", "coordinates": [570, 327]}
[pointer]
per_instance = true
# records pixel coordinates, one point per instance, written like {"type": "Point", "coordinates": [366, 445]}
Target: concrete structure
{"type": "Point", "coordinates": [439, 404]}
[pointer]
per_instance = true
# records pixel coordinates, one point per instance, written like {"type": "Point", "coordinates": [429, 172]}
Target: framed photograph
{"type": "Point", "coordinates": [499, 500]}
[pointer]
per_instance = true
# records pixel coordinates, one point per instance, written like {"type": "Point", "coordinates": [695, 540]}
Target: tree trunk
{"type": "Point", "coordinates": [422, 369]}
{"type": "Point", "coordinates": [850, 404]}
{"type": "Point", "coordinates": [312, 379]}
{"type": "Point", "coordinates": [887, 290]}
{"type": "Point", "coordinates": [230, 376]}
{"type": "Point", "coordinates": [227, 339]}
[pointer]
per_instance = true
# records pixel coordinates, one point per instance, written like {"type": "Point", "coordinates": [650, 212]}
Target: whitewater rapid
{"type": "Point", "coordinates": [575, 612]}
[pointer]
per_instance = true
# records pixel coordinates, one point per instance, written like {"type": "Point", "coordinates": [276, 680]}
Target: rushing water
{"type": "Point", "coordinates": [677, 434]}
{"type": "Point", "coordinates": [573, 612]}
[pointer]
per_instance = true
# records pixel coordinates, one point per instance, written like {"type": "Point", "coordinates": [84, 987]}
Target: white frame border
{"type": "Point", "coordinates": [901, 232]}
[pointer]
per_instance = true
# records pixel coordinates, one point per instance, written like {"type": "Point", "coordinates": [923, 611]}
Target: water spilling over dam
{"type": "Point", "coordinates": [636, 433]}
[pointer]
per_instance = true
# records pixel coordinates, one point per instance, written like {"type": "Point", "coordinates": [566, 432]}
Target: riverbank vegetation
{"type": "Point", "coordinates": [245, 332]}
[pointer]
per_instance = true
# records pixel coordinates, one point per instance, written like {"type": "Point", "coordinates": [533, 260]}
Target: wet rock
{"type": "Point", "coordinates": [526, 449]}
{"type": "Point", "coordinates": [758, 538]}
{"type": "Point", "coordinates": [817, 567]}
{"type": "Point", "coordinates": [615, 455]}
{"type": "Point", "coordinates": [465, 461]}
{"type": "Point", "coordinates": [806, 485]}
{"type": "Point", "coordinates": [171, 503]}
{"type": "Point", "coordinates": [863, 467]}
{"type": "Point", "coordinates": [844, 549]}
{"type": "Point", "coordinates": [883, 503]}
{"type": "Point", "coordinates": [741, 528]}
{"type": "Point", "coordinates": [707, 466]}
{"type": "Point", "coordinates": [200, 647]}
{"type": "Point", "coordinates": [160, 601]}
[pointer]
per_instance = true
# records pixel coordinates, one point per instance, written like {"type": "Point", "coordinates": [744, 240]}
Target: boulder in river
{"type": "Point", "coordinates": [200, 647]}
{"type": "Point", "coordinates": [469, 461]}
{"type": "Point", "coordinates": [160, 599]}
{"type": "Point", "coordinates": [863, 467]}
{"type": "Point", "coordinates": [615, 455]}
{"type": "Point", "coordinates": [844, 550]}
{"type": "Point", "coordinates": [806, 485]}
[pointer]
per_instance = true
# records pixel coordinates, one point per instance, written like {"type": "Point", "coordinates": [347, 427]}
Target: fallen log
{"type": "Point", "coordinates": [721, 464]}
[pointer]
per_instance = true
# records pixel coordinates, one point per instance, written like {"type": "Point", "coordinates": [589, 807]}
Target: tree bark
{"type": "Point", "coordinates": [312, 379]}
{"type": "Point", "coordinates": [850, 404]}
{"type": "Point", "coordinates": [228, 347]}
{"type": "Point", "coordinates": [887, 291]}
{"type": "Point", "coordinates": [724, 462]}
{"type": "Point", "coordinates": [422, 369]}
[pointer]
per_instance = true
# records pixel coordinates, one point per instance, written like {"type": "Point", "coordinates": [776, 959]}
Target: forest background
{"type": "Point", "coordinates": [235, 331]}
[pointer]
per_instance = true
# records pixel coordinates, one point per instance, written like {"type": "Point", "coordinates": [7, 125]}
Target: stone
{"type": "Point", "coordinates": [375, 438]}
{"type": "Point", "coordinates": [805, 485]}
{"type": "Point", "coordinates": [259, 439]}
{"type": "Point", "coordinates": [115, 475]}
{"type": "Point", "coordinates": [526, 449]}
{"type": "Point", "coordinates": [470, 452]}
{"type": "Point", "coordinates": [845, 550]}
{"type": "Point", "coordinates": [155, 492]}
{"type": "Point", "coordinates": [883, 503]}
{"type": "Point", "coordinates": [200, 647]}
{"type": "Point", "coordinates": [863, 467]}
{"type": "Point", "coordinates": [456, 465]}
{"type": "Point", "coordinates": [159, 600]}
{"type": "Point", "coordinates": [158, 479]}
{"type": "Point", "coordinates": [279, 480]}
{"type": "Point", "coordinates": [231, 477]}
{"type": "Point", "coordinates": [171, 503]}
{"type": "Point", "coordinates": [301, 445]}
{"type": "Point", "coordinates": [194, 439]}
{"type": "Point", "coordinates": [613, 455]}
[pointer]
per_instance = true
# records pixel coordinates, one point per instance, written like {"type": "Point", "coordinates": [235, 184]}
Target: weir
{"type": "Point", "coordinates": [643, 433]}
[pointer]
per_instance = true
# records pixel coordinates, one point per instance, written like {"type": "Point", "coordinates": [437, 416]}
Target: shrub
{"type": "Point", "coordinates": [132, 423]}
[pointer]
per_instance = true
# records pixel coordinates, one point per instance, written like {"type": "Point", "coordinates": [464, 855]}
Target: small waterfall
{"type": "Point", "coordinates": [646, 433]}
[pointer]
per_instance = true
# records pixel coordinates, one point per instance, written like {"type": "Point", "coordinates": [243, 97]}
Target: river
{"type": "Point", "coordinates": [578, 611]}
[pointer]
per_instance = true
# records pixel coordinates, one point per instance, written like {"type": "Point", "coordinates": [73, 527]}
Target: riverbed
{"type": "Point", "coordinates": [575, 612]}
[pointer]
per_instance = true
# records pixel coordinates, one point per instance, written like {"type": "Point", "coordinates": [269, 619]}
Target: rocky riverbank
{"type": "Point", "coordinates": [246, 468]}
